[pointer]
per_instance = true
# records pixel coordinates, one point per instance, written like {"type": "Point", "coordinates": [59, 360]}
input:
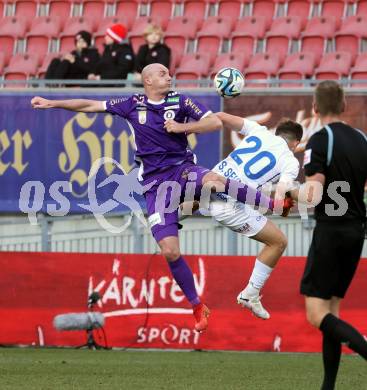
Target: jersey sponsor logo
{"type": "Point", "coordinates": [142, 116]}
{"type": "Point", "coordinates": [139, 99]}
{"type": "Point", "coordinates": [173, 99]}
{"type": "Point", "coordinates": [154, 219]}
{"type": "Point", "coordinates": [307, 157]}
{"type": "Point", "coordinates": [193, 106]}
{"type": "Point", "coordinates": [116, 101]}
{"type": "Point", "coordinates": [170, 114]}
{"type": "Point", "coordinates": [171, 107]}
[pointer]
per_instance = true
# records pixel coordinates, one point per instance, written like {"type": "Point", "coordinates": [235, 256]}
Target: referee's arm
{"type": "Point", "coordinates": [315, 160]}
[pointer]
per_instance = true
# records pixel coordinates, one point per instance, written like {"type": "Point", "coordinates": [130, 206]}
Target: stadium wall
{"type": "Point", "coordinates": [144, 308]}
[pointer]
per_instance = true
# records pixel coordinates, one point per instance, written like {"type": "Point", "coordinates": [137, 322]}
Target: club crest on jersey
{"type": "Point", "coordinates": [142, 116]}
{"type": "Point", "coordinates": [169, 114]}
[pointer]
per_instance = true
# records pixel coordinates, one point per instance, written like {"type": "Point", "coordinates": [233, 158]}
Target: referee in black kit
{"type": "Point", "coordinates": [336, 158]}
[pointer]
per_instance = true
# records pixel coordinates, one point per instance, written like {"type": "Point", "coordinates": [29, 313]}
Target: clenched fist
{"type": "Point", "coordinates": [39, 102]}
{"type": "Point", "coordinates": [174, 127]}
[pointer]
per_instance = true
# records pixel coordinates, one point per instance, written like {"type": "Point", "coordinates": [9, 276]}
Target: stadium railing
{"type": "Point", "coordinates": [200, 235]}
{"type": "Point", "coordinates": [198, 83]}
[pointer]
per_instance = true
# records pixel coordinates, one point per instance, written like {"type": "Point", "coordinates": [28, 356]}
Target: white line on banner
{"type": "Point", "coordinates": [154, 310]}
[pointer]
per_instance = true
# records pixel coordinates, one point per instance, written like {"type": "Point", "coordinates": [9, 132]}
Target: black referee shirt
{"type": "Point", "coordinates": [348, 164]}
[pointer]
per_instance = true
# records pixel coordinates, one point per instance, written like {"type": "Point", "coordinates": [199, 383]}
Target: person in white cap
{"type": "Point", "coordinates": [117, 59]}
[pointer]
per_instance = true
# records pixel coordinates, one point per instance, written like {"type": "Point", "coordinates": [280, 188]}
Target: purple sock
{"type": "Point", "coordinates": [183, 276]}
{"type": "Point", "coordinates": [248, 195]}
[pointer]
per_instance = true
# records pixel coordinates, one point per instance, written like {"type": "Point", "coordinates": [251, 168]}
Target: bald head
{"type": "Point", "coordinates": [156, 79]}
{"type": "Point", "coordinates": [149, 70]}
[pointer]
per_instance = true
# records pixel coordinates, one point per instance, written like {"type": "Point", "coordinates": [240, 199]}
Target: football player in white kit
{"type": "Point", "coordinates": [261, 158]}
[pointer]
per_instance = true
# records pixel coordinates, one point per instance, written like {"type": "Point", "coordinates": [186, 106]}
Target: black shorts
{"type": "Point", "coordinates": [332, 259]}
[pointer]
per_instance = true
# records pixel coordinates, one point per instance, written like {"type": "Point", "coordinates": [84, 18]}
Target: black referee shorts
{"type": "Point", "coordinates": [332, 259]}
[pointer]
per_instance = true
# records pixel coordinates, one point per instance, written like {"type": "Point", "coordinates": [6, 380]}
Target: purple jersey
{"type": "Point", "coordinates": [155, 147]}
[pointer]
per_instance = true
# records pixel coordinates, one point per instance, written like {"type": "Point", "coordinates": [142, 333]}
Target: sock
{"type": "Point", "coordinates": [248, 195]}
{"type": "Point", "coordinates": [342, 332]}
{"type": "Point", "coordinates": [260, 274]}
{"type": "Point", "coordinates": [331, 351]}
{"type": "Point", "coordinates": [182, 274]}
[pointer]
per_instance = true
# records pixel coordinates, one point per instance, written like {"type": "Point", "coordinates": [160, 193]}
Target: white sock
{"type": "Point", "coordinates": [260, 274]}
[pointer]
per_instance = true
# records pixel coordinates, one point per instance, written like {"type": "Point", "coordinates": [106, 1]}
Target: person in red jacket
{"type": "Point", "coordinates": [117, 60]}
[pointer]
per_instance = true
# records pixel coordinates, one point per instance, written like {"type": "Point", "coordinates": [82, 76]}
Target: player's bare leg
{"type": "Point", "coordinates": [182, 274]}
{"type": "Point", "coordinates": [275, 244]}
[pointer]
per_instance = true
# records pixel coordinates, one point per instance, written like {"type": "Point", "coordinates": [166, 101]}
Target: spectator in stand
{"type": "Point", "coordinates": [117, 60]}
{"type": "Point", "coordinates": [75, 65]}
{"type": "Point", "coordinates": [154, 51]}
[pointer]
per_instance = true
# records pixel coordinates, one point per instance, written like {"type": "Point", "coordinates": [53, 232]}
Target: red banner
{"type": "Point", "coordinates": [143, 307]}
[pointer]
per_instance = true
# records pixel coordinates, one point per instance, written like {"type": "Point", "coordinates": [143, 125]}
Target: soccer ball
{"type": "Point", "coordinates": [229, 82]}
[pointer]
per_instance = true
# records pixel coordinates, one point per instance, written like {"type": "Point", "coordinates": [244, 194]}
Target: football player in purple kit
{"type": "Point", "coordinates": [167, 164]}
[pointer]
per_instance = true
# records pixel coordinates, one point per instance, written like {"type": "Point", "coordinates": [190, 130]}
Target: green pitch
{"type": "Point", "coordinates": [64, 369]}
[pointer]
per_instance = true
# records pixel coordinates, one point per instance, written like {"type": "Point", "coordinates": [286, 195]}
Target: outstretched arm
{"type": "Point", "coordinates": [204, 125]}
{"type": "Point", "coordinates": [230, 122]}
{"type": "Point", "coordinates": [82, 105]}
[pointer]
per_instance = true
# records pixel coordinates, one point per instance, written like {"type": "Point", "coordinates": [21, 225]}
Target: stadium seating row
{"type": "Point", "coordinates": [231, 35]}
{"type": "Point", "coordinates": [217, 34]}
{"type": "Point", "coordinates": [198, 9]}
{"type": "Point", "coordinates": [260, 66]}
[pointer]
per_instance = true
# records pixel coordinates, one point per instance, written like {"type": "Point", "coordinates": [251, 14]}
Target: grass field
{"type": "Point", "coordinates": [41, 369]}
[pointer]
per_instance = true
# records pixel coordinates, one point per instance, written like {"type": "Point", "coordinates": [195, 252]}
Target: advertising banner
{"type": "Point", "coordinates": [53, 150]}
{"type": "Point", "coordinates": [144, 308]}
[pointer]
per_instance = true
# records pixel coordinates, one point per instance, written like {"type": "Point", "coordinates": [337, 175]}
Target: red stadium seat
{"type": "Point", "coordinates": [136, 34]}
{"type": "Point", "coordinates": [297, 66]}
{"type": "Point", "coordinates": [179, 30]}
{"type": "Point", "coordinates": [214, 30]}
{"type": "Point", "coordinates": [21, 67]}
{"type": "Point", "coordinates": [262, 66]}
{"type": "Point", "coordinates": [72, 27]}
{"type": "Point", "coordinates": [362, 8]}
{"type": "Point", "coordinates": [46, 60]}
{"type": "Point", "coordinates": [334, 8]}
{"type": "Point", "coordinates": [2, 62]}
{"type": "Point", "coordinates": [102, 27]}
{"type": "Point", "coordinates": [1, 9]}
{"type": "Point", "coordinates": [264, 8]}
{"type": "Point", "coordinates": [192, 67]}
{"type": "Point", "coordinates": [195, 9]}
{"type": "Point", "coordinates": [162, 9]}
{"type": "Point", "coordinates": [42, 29]}
{"type": "Point", "coordinates": [11, 28]}
{"type": "Point", "coordinates": [246, 33]}
{"type": "Point", "coordinates": [230, 9]}
{"type": "Point", "coordinates": [61, 9]}
{"type": "Point", "coordinates": [238, 61]}
{"type": "Point", "coordinates": [316, 34]}
{"type": "Point", "coordinates": [349, 36]}
{"type": "Point", "coordinates": [94, 8]}
{"type": "Point", "coordinates": [128, 10]}
{"type": "Point", "coordinates": [26, 8]}
{"type": "Point", "coordinates": [359, 70]}
{"type": "Point", "coordinates": [299, 8]}
{"type": "Point", "coordinates": [282, 31]}
{"type": "Point", "coordinates": [333, 66]}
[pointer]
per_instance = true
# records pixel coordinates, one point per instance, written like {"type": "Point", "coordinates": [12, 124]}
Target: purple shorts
{"type": "Point", "coordinates": [166, 194]}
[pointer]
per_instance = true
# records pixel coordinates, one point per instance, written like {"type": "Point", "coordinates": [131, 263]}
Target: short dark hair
{"type": "Point", "coordinates": [289, 129]}
{"type": "Point", "coordinates": [329, 98]}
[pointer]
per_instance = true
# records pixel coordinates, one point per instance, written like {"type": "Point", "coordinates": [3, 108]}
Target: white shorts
{"type": "Point", "coordinates": [235, 215]}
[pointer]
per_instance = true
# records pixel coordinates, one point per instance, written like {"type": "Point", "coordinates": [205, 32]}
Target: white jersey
{"type": "Point", "coordinates": [260, 158]}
